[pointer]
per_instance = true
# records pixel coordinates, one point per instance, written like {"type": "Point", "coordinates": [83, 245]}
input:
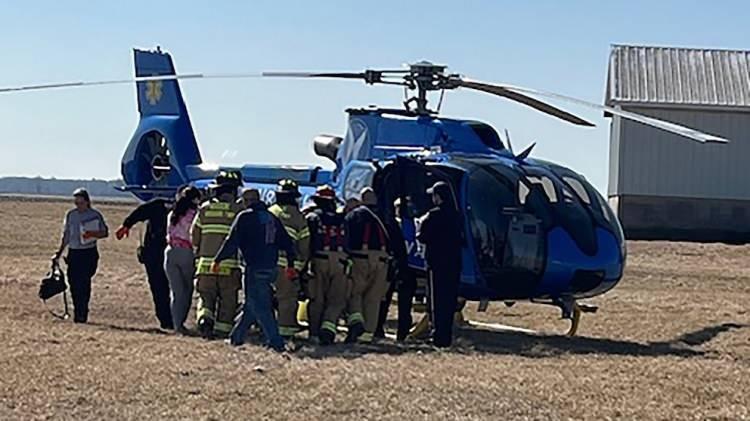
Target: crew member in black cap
{"type": "Point", "coordinates": [440, 232]}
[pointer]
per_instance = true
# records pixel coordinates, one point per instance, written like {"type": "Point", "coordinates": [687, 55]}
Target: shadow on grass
{"type": "Point", "coordinates": [483, 341]}
{"type": "Point", "coordinates": [699, 337]}
{"type": "Point", "coordinates": [150, 330]}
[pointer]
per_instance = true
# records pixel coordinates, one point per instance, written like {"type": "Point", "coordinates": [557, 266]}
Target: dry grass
{"type": "Point", "coordinates": [670, 342]}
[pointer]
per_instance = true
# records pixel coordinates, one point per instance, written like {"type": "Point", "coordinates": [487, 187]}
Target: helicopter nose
{"type": "Point", "coordinates": [570, 270]}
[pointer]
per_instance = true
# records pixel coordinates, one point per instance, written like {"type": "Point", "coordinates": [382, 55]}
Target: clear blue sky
{"type": "Point", "coordinates": [552, 45]}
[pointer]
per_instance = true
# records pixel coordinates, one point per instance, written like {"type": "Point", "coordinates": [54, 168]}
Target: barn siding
{"type": "Point", "coordinates": [649, 162]}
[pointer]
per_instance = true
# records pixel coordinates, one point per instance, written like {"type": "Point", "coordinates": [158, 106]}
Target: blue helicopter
{"type": "Point", "coordinates": [534, 230]}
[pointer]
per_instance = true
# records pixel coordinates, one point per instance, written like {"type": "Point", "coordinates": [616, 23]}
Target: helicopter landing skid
{"type": "Point", "coordinates": [572, 310]}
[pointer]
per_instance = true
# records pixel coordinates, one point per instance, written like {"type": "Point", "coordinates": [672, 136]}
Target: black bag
{"type": "Point", "coordinates": [54, 284]}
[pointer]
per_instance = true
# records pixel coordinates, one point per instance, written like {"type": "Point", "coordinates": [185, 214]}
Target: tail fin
{"type": "Point", "coordinates": [157, 97]}
{"type": "Point", "coordinates": [164, 147]}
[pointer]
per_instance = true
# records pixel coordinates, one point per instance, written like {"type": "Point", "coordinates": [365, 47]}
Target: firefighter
{"type": "Point", "coordinates": [440, 232]}
{"type": "Point", "coordinates": [329, 287]}
{"type": "Point", "coordinates": [217, 292]}
{"type": "Point", "coordinates": [367, 245]}
{"type": "Point", "coordinates": [287, 211]}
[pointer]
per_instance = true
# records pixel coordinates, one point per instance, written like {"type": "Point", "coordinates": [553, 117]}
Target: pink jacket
{"type": "Point", "coordinates": [179, 235]}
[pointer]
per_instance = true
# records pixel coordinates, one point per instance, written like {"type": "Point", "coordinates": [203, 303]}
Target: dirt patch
{"type": "Point", "coordinates": [670, 342]}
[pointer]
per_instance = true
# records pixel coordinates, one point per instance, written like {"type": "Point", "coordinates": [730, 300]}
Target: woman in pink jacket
{"type": "Point", "coordinates": [179, 262]}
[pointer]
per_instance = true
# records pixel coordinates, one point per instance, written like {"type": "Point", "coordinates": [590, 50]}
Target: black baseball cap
{"type": "Point", "coordinates": [441, 188]}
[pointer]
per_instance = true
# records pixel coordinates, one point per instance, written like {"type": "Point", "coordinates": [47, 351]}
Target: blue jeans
{"type": "Point", "coordinates": [258, 307]}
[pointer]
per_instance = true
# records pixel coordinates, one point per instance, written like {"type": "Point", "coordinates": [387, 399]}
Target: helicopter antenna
{"type": "Point", "coordinates": [526, 152]}
{"type": "Point", "coordinates": [507, 140]}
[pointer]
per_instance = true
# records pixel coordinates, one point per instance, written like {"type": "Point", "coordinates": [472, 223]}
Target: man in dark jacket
{"type": "Point", "coordinates": [259, 235]}
{"type": "Point", "coordinates": [440, 232]}
{"type": "Point", "coordinates": [151, 253]}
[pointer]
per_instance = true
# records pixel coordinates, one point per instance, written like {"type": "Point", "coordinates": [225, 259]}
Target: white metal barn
{"type": "Point", "coordinates": [666, 187]}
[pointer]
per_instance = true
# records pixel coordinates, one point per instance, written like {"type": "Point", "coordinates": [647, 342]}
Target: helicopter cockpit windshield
{"type": "Point", "coordinates": [510, 213]}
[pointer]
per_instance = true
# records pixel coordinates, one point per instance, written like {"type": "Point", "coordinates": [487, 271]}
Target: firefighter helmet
{"type": "Point", "coordinates": [289, 187]}
{"type": "Point", "coordinates": [325, 192]}
{"type": "Point", "coordinates": [228, 179]}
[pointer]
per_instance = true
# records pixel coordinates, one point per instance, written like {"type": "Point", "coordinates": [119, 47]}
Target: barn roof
{"type": "Point", "coordinates": [679, 77]}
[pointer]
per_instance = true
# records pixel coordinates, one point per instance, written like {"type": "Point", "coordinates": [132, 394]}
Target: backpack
{"type": "Point", "coordinates": [54, 284]}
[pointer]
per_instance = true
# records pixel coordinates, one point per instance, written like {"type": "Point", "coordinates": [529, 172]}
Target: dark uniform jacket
{"type": "Point", "coordinates": [440, 232]}
{"type": "Point", "coordinates": [259, 235]}
{"type": "Point", "coordinates": [154, 214]}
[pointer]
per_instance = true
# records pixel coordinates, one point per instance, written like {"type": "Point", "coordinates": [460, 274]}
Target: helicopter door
{"type": "Point", "coordinates": [525, 241]}
{"type": "Point", "coordinates": [402, 187]}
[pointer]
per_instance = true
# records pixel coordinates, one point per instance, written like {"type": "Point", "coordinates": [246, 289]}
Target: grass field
{"type": "Point", "coordinates": [671, 342]}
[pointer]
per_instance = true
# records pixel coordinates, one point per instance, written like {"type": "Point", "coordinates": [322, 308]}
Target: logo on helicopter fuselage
{"type": "Point", "coordinates": [153, 91]}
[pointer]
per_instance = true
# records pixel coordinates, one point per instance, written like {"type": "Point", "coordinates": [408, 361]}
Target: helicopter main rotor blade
{"type": "Point", "coordinates": [650, 121]}
{"type": "Point", "coordinates": [370, 77]}
{"type": "Point", "coordinates": [500, 90]}
{"type": "Point", "coordinates": [333, 75]}
{"type": "Point", "coordinates": [76, 84]}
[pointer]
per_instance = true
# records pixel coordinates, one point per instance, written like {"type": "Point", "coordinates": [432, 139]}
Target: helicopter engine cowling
{"type": "Point", "coordinates": [327, 146]}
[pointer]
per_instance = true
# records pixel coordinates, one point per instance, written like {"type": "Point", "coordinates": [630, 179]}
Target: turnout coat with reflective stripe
{"type": "Point", "coordinates": [296, 227]}
{"type": "Point", "coordinates": [210, 229]}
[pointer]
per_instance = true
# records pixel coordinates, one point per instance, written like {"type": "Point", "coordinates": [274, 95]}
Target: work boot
{"type": "Point", "coordinates": [206, 328]}
{"type": "Point", "coordinates": [355, 331]}
{"type": "Point", "coordinates": [326, 337]}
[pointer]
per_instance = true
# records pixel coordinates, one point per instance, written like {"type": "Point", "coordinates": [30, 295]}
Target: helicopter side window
{"type": "Point", "coordinates": [578, 188]}
{"type": "Point", "coordinates": [548, 187]}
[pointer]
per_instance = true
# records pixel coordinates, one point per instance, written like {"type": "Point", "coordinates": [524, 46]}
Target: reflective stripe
{"type": "Point", "coordinates": [303, 233]}
{"type": "Point", "coordinates": [223, 327]}
{"type": "Point", "coordinates": [288, 330]}
{"type": "Point", "coordinates": [230, 263]}
{"type": "Point", "coordinates": [204, 313]}
{"type": "Point", "coordinates": [291, 231]}
{"type": "Point", "coordinates": [218, 205]}
{"type": "Point", "coordinates": [203, 267]}
{"type": "Point", "coordinates": [218, 214]}
{"type": "Point", "coordinates": [355, 318]}
{"type": "Point", "coordinates": [282, 262]}
{"type": "Point", "coordinates": [366, 337]}
{"type": "Point", "coordinates": [215, 229]}
{"type": "Point", "coordinates": [329, 326]}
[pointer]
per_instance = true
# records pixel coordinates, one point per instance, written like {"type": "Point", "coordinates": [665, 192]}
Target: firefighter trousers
{"type": "Point", "coordinates": [287, 294]}
{"type": "Point", "coordinates": [217, 299]}
{"type": "Point", "coordinates": [369, 286]}
{"type": "Point", "coordinates": [329, 290]}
